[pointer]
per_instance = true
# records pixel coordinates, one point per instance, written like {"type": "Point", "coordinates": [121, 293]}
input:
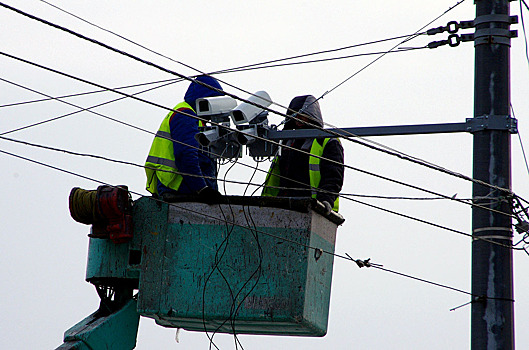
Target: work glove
{"type": "Point", "coordinates": [328, 207]}
{"type": "Point", "coordinates": [210, 195]}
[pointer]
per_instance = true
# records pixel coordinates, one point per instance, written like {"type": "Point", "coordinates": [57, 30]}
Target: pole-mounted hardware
{"type": "Point", "coordinates": [492, 122]}
{"type": "Point", "coordinates": [481, 36]}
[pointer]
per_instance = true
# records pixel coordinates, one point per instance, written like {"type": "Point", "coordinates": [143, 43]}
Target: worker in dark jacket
{"type": "Point", "coordinates": [298, 174]}
{"type": "Point", "coordinates": [179, 167]}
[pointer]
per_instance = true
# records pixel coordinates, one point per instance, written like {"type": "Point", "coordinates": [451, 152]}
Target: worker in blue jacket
{"type": "Point", "coordinates": [175, 165]}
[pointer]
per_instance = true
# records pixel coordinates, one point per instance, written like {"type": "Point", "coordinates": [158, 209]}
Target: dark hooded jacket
{"type": "Point", "coordinates": [294, 165]}
{"type": "Point", "coordinates": [188, 159]}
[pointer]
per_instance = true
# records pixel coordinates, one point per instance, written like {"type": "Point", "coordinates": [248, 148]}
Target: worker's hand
{"type": "Point", "coordinates": [328, 207]}
{"type": "Point", "coordinates": [210, 195]}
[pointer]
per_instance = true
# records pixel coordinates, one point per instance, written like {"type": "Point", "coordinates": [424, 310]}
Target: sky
{"type": "Point", "coordinates": [43, 251]}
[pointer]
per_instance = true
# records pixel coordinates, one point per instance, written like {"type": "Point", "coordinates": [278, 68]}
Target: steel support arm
{"type": "Point", "coordinates": [471, 125]}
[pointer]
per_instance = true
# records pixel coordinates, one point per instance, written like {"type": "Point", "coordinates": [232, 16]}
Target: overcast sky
{"type": "Point", "coordinates": [43, 251]}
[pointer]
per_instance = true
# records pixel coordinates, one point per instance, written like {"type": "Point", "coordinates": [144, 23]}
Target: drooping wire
{"type": "Point", "coordinates": [406, 37]}
{"type": "Point", "coordinates": [234, 70]}
{"type": "Point", "coordinates": [347, 198]}
{"type": "Point", "coordinates": [255, 136]}
{"type": "Point", "coordinates": [213, 88]}
{"type": "Point", "coordinates": [233, 310]}
{"type": "Point", "coordinates": [521, 143]}
{"type": "Point", "coordinates": [410, 37]}
{"type": "Point", "coordinates": [524, 32]}
{"type": "Point", "coordinates": [217, 260]}
{"type": "Point", "coordinates": [345, 257]}
{"type": "Point", "coordinates": [84, 93]}
{"type": "Point", "coordinates": [118, 35]}
{"type": "Point", "coordinates": [267, 64]}
{"type": "Point", "coordinates": [447, 197]}
{"type": "Point", "coordinates": [99, 114]}
{"type": "Point", "coordinates": [80, 109]}
{"type": "Point", "coordinates": [190, 79]}
{"type": "Point", "coordinates": [258, 271]}
{"type": "Point", "coordinates": [114, 50]}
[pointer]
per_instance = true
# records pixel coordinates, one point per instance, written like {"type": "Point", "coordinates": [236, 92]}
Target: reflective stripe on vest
{"type": "Point", "coordinates": [272, 182]}
{"type": "Point", "coordinates": [160, 164]}
{"type": "Point", "coordinates": [316, 152]}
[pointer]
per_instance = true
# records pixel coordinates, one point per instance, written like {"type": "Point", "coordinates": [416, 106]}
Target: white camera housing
{"type": "Point", "coordinates": [208, 137]}
{"type": "Point", "coordinates": [246, 136]}
{"type": "Point", "coordinates": [246, 112]}
{"type": "Point", "coordinates": [215, 105]}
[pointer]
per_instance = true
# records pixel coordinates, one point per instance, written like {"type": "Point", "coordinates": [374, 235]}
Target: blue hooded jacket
{"type": "Point", "coordinates": [189, 160]}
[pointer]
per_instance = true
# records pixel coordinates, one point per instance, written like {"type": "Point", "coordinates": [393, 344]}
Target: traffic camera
{"type": "Point", "coordinates": [247, 112]}
{"type": "Point", "coordinates": [250, 119]}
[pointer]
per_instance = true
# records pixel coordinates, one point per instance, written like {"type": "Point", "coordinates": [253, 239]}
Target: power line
{"type": "Point", "coordinates": [109, 89]}
{"type": "Point", "coordinates": [433, 224]}
{"type": "Point", "coordinates": [345, 257]}
{"type": "Point", "coordinates": [398, 153]}
{"type": "Point", "coordinates": [118, 35]}
{"type": "Point", "coordinates": [233, 70]}
{"type": "Point", "coordinates": [82, 93]}
{"type": "Point", "coordinates": [115, 160]}
{"type": "Point", "coordinates": [198, 118]}
{"type": "Point", "coordinates": [521, 143]}
{"type": "Point", "coordinates": [184, 77]}
{"type": "Point", "coordinates": [245, 67]}
{"type": "Point", "coordinates": [239, 68]}
{"type": "Point", "coordinates": [343, 196]}
{"type": "Point", "coordinates": [417, 33]}
{"type": "Point", "coordinates": [126, 54]}
{"type": "Point", "coordinates": [81, 109]}
{"type": "Point", "coordinates": [213, 88]}
{"type": "Point", "coordinates": [523, 1]}
{"type": "Point", "coordinates": [524, 32]}
{"type": "Point", "coordinates": [258, 137]}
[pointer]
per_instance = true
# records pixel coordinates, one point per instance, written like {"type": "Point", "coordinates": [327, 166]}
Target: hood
{"type": "Point", "coordinates": [309, 106]}
{"type": "Point", "coordinates": [195, 90]}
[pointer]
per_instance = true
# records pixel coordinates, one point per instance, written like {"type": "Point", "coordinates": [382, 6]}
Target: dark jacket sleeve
{"type": "Point", "coordinates": [183, 129]}
{"type": "Point", "coordinates": [331, 172]}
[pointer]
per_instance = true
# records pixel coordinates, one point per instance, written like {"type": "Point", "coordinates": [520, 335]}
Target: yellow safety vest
{"type": "Point", "coordinates": [271, 185]}
{"type": "Point", "coordinates": [161, 157]}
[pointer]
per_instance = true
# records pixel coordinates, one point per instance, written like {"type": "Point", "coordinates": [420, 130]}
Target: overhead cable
{"type": "Point", "coordinates": [172, 80]}
{"type": "Point", "coordinates": [524, 31]}
{"type": "Point", "coordinates": [116, 34]}
{"type": "Point", "coordinates": [233, 70]}
{"type": "Point", "coordinates": [244, 183]}
{"type": "Point", "coordinates": [345, 257]}
{"type": "Point", "coordinates": [245, 67]}
{"type": "Point", "coordinates": [521, 143]}
{"type": "Point", "coordinates": [526, 6]}
{"type": "Point", "coordinates": [201, 83]}
{"type": "Point", "coordinates": [255, 136]}
{"type": "Point", "coordinates": [80, 109]}
{"type": "Point", "coordinates": [178, 74]}
{"type": "Point", "coordinates": [124, 53]}
{"type": "Point", "coordinates": [410, 37]}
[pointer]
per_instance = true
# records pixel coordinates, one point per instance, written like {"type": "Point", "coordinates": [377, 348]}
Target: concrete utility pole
{"type": "Point", "coordinates": [492, 318]}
